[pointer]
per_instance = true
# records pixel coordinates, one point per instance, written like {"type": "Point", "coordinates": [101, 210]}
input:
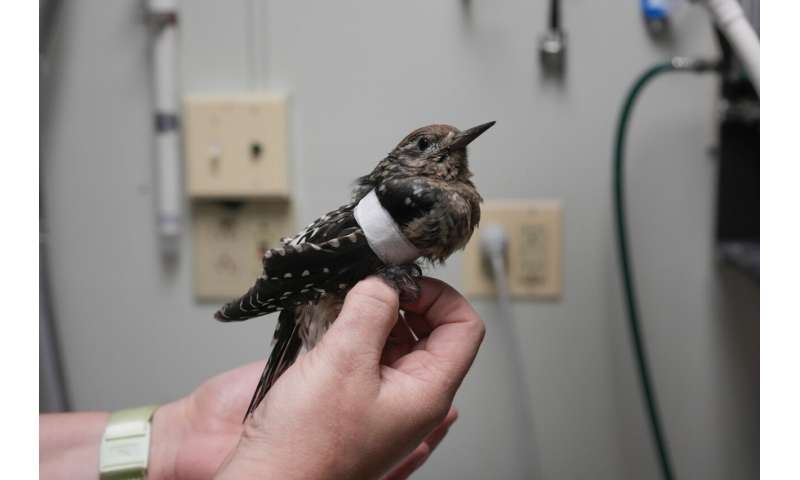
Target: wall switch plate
{"type": "Point", "coordinates": [229, 240]}
{"type": "Point", "coordinates": [236, 146]}
{"type": "Point", "coordinates": [533, 262]}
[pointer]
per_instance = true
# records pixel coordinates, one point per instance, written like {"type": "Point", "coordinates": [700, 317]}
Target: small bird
{"type": "Point", "coordinates": [418, 204]}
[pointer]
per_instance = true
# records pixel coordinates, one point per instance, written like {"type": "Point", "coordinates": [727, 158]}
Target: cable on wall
{"type": "Point", "coordinates": [53, 395]}
{"type": "Point", "coordinates": [625, 261]}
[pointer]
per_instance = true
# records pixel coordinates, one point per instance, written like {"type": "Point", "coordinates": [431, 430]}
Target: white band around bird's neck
{"type": "Point", "coordinates": [382, 232]}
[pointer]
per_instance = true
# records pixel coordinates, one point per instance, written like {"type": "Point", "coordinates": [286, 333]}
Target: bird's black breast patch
{"type": "Point", "coordinates": [406, 199]}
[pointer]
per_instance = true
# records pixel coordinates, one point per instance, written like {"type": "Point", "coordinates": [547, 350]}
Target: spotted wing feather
{"type": "Point", "coordinates": [325, 258]}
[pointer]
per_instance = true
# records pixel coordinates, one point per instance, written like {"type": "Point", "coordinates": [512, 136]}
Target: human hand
{"type": "Point", "coordinates": [192, 436]}
{"type": "Point", "coordinates": [368, 394]}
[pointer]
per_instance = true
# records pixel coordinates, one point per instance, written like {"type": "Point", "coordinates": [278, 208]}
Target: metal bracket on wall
{"type": "Point", "coordinates": [553, 44]}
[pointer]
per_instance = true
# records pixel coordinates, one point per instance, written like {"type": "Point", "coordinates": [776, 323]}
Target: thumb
{"type": "Point", "coordinates": [368, 315]}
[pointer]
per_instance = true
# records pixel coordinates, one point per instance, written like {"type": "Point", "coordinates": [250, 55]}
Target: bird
{"type": "Point", "coordinates": [424, 205]}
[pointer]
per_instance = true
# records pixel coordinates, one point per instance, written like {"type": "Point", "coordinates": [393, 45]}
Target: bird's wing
{"type": "Point", "coordinates": [326, 227]}
{"type": "Point", "coordinates": [327, 257]}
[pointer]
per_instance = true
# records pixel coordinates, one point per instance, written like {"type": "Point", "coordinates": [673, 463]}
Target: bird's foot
{"type": "Point", "coordinates": [403, 278]}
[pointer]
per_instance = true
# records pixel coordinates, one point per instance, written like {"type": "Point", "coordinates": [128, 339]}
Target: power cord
{"type": "Point", "coordinates": [494, 244]}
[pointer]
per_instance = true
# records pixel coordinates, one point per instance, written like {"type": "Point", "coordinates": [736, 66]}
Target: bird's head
{"type": "Point", "coordinates": [437, 151]}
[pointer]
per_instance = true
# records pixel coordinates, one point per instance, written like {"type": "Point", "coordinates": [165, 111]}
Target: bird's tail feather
{"type": "Point", "coordinates": [286, 347]}
{"type": "Point", "coordinates": [251, 304]}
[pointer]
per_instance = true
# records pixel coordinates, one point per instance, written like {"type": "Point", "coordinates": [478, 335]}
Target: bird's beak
{"type": "Point", "coordinates": [464, 138]}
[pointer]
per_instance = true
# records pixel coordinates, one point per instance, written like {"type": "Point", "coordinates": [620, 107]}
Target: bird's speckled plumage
{"type": "Point", "coordinates": [424, 183]}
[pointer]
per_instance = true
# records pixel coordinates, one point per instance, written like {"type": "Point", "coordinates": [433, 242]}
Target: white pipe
{"type": "Point", "coordinates": [169, 198]}
{"type": "Point", "coordinates": [731, 20]}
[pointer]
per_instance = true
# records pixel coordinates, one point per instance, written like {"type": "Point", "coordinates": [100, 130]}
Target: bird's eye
{"type": "Point", "coordinates": [423, 143]}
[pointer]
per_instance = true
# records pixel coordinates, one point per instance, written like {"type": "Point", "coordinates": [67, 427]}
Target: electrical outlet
{"type": "Point", "coordinates": [236, 146]}
{"type": "Point", "coordinates": [533, 262]}
{"type": "Point", "coordinates": [229, 241]}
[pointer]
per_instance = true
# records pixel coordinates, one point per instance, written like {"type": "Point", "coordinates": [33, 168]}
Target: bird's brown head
{"type": "Point", "coordinates": [437, 151]}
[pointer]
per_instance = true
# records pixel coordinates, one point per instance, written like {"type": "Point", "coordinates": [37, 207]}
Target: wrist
{"type": "Point", "coordinates": [252, 460]}
{"type": "Point", "coordinates": [69, 444]}
{"type": "Point", "coordinates": [165, 440]}
{"type": "Point", "coordinates": [257, 457]}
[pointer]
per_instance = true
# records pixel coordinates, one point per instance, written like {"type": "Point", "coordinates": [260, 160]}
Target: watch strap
{"type": "Point", "coordinates": [125, 446]}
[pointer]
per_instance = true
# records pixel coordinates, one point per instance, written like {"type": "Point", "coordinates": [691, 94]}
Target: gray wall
{"type": "Point", "coordinates": [360, 75]}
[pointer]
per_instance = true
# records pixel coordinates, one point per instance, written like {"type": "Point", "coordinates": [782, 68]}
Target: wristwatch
{"type": "Point", "coordinates": [125, 445]}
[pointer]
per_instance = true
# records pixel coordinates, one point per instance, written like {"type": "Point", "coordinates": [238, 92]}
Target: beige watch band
{"type": "Point", "coordinates": [125, 446]}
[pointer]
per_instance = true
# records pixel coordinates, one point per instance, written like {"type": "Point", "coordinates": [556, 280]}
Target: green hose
{"type": "Point", "coordinates": [677, 64]}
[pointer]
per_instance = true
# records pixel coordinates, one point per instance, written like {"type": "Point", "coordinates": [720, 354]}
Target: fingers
{"type": "Point", "coordinates": [418, 324]}
{"type": "Point", "coordinates": [435, 438]}
{"type": "Point", "coordinates": [368, 315]}
{"type": "Point", "coordinates": [404, 337]}
{"type": "Point", "coordinates": [456, 333]}
{"type": "Point", "coordinates": [421, 454]}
